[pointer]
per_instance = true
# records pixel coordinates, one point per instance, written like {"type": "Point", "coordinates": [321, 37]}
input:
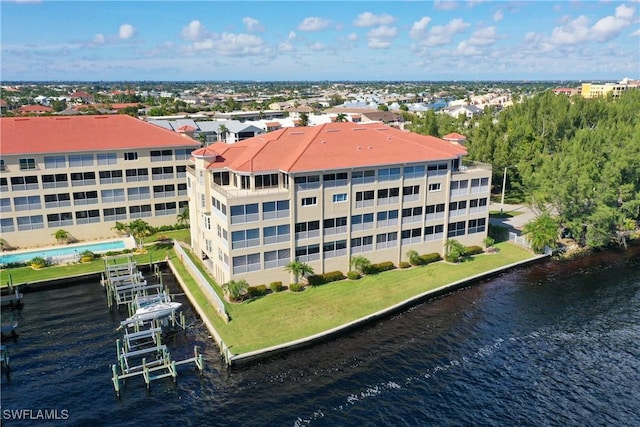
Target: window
{"type": "Point", "coordinates": [307, 230]}
{"type": "Point", "coordinates": [411, 193]}
{"type": "Point", "coordinates": [168, 190]}
{"type": "Point", "coordinates": [335, 226]}
{"type": "Point", "coordinates": [3, 167]}
{"type": "Point", "coordinates": [388, 218]}
{"type": "Point", "coordinates": [411, 172]}
{"type": "Point", "coordinates": [182, 189]}
{"type": "Point", "coordinates": [459, 188]}
{"type": "Point", "coordinates": [115, 214]}
{"type": "Point", "coordinates": [246, 263]}
{"type": "Point", "coordinates": [335, 179]}
{"type": "Point", "coordinates": [342, 197]}
{"type": "Point", "coordinates": [309, 201]}
{"type": "Point", "coordinates": [308, 253]}
{"type": "Point", "coordinates": [273, 210]}
{"type": "Point", "coordinates": [410, 215]}
{"type": "Point", "coordinates": [19, 183]}
{"type": "Point", "coordinates": [181, 171]}
{"type": "Point", "coordinates": [244, 213]}
{"type": "Point", "coordinates": [135, 175]}
{"type": "Point", "coordinates": [107, 159]}
{"type": "Point", "coordinates": [161, 155]}
{"type": "Point", "coordinates": [307, 182]}
{"type": "Point", "coordinates": [35, 222]}
{"type": "Point", "coordinates": [245, 238]}
{"type": "Point", "coordinates": [387, 240]}
{"type": "Point", "coordinates": [26, 164]}
{"type": "Point", "coordinates": [139, 211]}
{"type": "Point", "coordinates": [138, 193]}
{"type": "Point", "coordinates": [164, 172]}
{"type": "Point", "coordinates": [221, 178]}
{"type": "Point", "coordinates": [79, 160]}
{"type": "Point", "coordinates": [456, 229]}
{"type": "Point", "coordinates": [364, 199]}
{"type": "Point", "coordinates": [168, 208]}
{"type": "Point", "coordinates": [477, 206]}
{"type": "Point", "coordinates": [6, 225]}
{"type": "Point", "coordinates": [112, 196]}
{"type": "Point", "coordinates": [57, 200]}
{"type": "Point", "coordinates": [87, 217]}
{"type": "Point", "coordinates": [434, 212]}
{"type": "Point", "coordinates": [85, 198]}
{"type": "Point", "coordinates": [131, 156]}
{"type": "Point", "coordinates": [276, 234]}
{"type": "Point", "coordinates": [434, 187]}
{"type": "Point", "coordinates": [3, 184]}
{"type": "Point", "coordinates": [83, 178]}
{"type": "Point", "coordinates": [59, 219]}
{"type": "Point", "coordinates": [27, 203]}
{"type": "Point", "coordinates": [411, 236]}
{"type": "Point", "coordinates": [434, 232]}
{"type": "Point", "coordinates": [479, 185]}
{"type": "Point", "coordinates": [477, 225]}
{"type": "Point", "coordinates": [111, 177]}
{"type": "Point", "coordinates": [183, 153]}
{"type": "Point", "coordinates": [389, 174]}
{"type": "Point", "coordinates": [458, 208]}
{"type": "Point", "coordinates": [55, 162]}
{"type": "Point", "coordinates": [437, 169]}
{"type": "Point", "coordinates": [334, 249]}
{"type": "Point", "coordinates": [279, 258]}
{"type": "Point", "coordinates": [5, 205]}
{"type": "Point", "coordinates": [361, 244]}
{"type": "Point", "coordinates": [266, 181]}
{"type": "Point", "coordinates": [388, 196]}
{"type": "Point", "coordinates": [363, 177]}
{"type": "Point", "coordinates": [362, 222]}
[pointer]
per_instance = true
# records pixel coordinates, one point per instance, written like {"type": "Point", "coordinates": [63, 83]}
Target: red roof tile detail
{"type": "Point", "coordinates": [330, 146]}
{"type": "Point", "coordinates": [454, 137]}
{"type": "Point", "coordinates": [35, 135]}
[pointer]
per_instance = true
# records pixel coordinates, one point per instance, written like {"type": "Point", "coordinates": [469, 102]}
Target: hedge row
{"type": "Point", "coordinates": [321, 279]}
{"type": "Point", "coordinates": [473, 250]}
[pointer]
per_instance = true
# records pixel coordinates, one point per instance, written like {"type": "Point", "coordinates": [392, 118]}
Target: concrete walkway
{"type": "Point", "coordinates": [524, 214]}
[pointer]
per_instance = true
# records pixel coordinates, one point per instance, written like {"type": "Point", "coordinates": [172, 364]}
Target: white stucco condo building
{"type": "Point", "coordinates": [84, 173]}
{"type": "Point", "coordinates": [326, 193]}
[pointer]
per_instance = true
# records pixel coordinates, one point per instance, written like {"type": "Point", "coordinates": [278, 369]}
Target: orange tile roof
{"type": "Point", "coordinates": [35, 109]}
{"type": "Point", "coordinates": [454, 136]}
{"type": "Point", "coordinates": [329, 146]}
{"type": "Point", "coordinates": [35, 135]}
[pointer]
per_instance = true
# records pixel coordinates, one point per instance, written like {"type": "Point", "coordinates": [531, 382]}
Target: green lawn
{"type": "Point", "coordinates": [506, 214]}
{"type": "Point", "coordinates": [287, 316]}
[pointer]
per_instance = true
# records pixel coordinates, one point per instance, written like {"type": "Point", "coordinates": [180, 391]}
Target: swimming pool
{"type": "Point", "coordinates": [63, 253]}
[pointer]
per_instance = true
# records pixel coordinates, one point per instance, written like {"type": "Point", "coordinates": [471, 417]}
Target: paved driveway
{"type": "Point", "coordinates": [515, 223]}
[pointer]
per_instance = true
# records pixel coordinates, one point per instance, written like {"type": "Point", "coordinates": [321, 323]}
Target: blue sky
{"type": "Point", "coordinates": [319, 40]}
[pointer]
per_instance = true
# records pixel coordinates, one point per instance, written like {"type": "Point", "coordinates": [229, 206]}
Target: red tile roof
{"type": "Point", "coordinates": [35, 135]}
{"type": "Point", "coordinates": [35, 109]}
{"type": "Point", "coordinates": [330, 146]}
{"type": "Point", "coordinates": [454, 137]}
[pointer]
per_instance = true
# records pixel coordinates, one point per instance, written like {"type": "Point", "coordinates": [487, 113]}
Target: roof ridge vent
{"type": "Point", "coordinates": [333, 130]}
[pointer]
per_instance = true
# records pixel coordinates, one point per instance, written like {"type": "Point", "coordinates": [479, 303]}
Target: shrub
{"type": "Point", "coordinates": [498, 233]}
{"type": "Point", "coordinates": [87, 256]}
{"type": "Point", "coordinates": [276, 286]}
{"type": "Point", "coordinates": [429, 258]}
{"type": "Point", "coordinates": [321, 279]}
{"type": "Point", "coordinates": [414, 258]}
{"type": "Point", "coordinates": [404, 264]}
{"type": "Point", "coordinates": [473, 250]}
{"type": "Point", "coordinates": [381, 266]}
{"type": "Point", "coordinates": [296, 287]}
{"type": "Point", "coordinates": [353, 275]}
{"type": "Point", "coordinates": [256, 291]}
{"type": "Point", "coordinates": [38, 262]}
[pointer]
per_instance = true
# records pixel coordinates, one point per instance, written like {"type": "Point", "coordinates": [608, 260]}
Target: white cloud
{"type": "Point", "coordinates": [484, 36]}
{"type": "Point", "coordinates": [368, 19]}
{"type": "Point", "coordinates": [579, 31]}
{"type": "Point", "coordinates": [292, 35]}
{"type": "Point", "coordinates": [313, 23]}
{"type": "Point", "coordinates": [352, 37]}
{"type": "Point", "coordinates": [608, 28]}
{"type": "Point", "coordinates": [194, 31]}
{"type": "Point", "coordinates": [230, 44]}
{"type": "Point", "coordinates": [466, 48]}
{"type": "Point", "coordinates": [317, 47]}
{"type": "Point", "coordinates": [625, 12]}
{"type": "Point", "coordinates": [252, 24]}
{"type": "Point", "coordinates": [573, 32]}
{"type": "Point", "coordinates": [126, 31]}
{"type": "Point", "coordinates": [419, 27]}
{"type": "Point", "coordinates": [636, 33]}
{"type": "Point", "coordinates": [381, 37]}
{"type": "Point", "coordinates": [286, 47]}
{"type": "Point", "coordinates": [497, 17]}
{"type": "Point", "coordinates": [443, 34]}
{"type": "Point", "coordinates": [445, 4]}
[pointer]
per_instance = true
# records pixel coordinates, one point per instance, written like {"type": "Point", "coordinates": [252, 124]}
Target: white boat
{"type": "Point", "coordinates": [8, 327]}
{"type": "Point", "coordinates": [152, 311]}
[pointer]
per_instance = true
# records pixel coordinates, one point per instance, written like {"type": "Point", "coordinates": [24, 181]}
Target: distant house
{"type": "Point", "coordinates": [567, 91]}
{"type": "Point", "coordinates": [81, 97]}
{"type": "Point", "coordinates": [468, 110]}
{"type": "Point", "coordinates": [35, 109]}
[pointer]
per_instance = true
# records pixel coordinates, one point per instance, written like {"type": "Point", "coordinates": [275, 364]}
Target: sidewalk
{"type": "Point", "coordinates": [515, 223]}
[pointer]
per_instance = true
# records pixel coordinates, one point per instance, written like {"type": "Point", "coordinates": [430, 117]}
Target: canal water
{"type": "Point", "coordinates": [557, 343]}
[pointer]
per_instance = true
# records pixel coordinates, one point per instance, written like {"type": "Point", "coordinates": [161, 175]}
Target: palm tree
{"type": "Point", "coordinates": [62, 236]}
{"type": "Point", "coordinates": [414, 257]}
{"type": "Point", "coordinates": [299, 269]}
{"type": "Point", "coordinates": [304, 119]}
{"type": "Point", "coordinates": [183, 216]}
{"type": "Point", "coordinates": [121, 228]}
{"type": "Point", "coordinates": [360, 263]}
{"type": "Point", "coordinates": [235, 289]}
{"type": "Point", "coordinates": [222, 133]}
{"type": "Point", "coordinates": [541, 232]}
{"type": "Point", "coordinates": [454, 250]}
{"type": "Point", "coordinates": [139, 229]}
{"type": "Point", "coordinates": [342, 117]}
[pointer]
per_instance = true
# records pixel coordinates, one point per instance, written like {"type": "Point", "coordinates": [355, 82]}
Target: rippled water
{"type": "Point", "coordinates": [557, 343]}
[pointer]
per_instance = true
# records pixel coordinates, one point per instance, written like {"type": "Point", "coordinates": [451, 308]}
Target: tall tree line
{"type": "Point", "coordinates": [580, 157]}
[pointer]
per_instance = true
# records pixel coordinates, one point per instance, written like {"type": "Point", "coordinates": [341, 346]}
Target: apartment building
{"type": "Point", "coordinates": [326, 193]}
{"type": "Point", "coordinates": [84, 173]}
